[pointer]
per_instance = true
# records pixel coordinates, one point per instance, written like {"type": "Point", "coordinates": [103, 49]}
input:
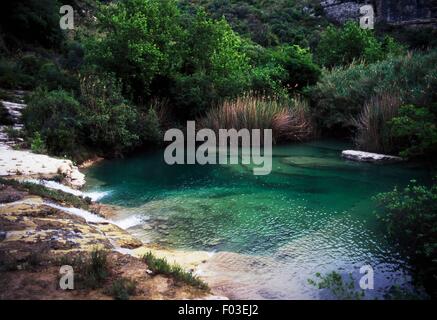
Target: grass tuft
{"type": "Point", "coordinates": [161, 266]}
{"type": "Point", "coordinates": [122, 288]}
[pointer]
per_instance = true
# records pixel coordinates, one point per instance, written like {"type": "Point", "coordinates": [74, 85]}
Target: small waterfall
{"type": "Point", "coordinates": [94, 196]}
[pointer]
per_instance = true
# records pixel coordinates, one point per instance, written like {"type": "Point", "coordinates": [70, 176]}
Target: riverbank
{"type": "Point", "coordinates": [38, 235]}
{"type": "Point", "coordinates": [46, 219]}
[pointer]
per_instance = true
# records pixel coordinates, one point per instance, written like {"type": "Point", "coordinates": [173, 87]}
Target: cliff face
{"type": "Point", "coordinates": [395, 12]}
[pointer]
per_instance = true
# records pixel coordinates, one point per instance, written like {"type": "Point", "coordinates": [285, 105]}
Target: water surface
{"type": "Point", "coordinates": [313, 213]}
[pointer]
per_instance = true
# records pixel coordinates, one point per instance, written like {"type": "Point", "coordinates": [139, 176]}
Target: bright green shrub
{"type": "Point", "coordinates": [299, 65]}
{"type": "Point", "coordinates": [38, 145]}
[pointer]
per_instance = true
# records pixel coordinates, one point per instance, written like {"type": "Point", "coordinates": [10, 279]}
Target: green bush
{"type": "Point", "coordinates": [29, 70]}
{"type": "Point", "coordinates": [214, 66]}
{"type": "Point", "coordinates": [12, 77]}
{"type": "Point", "coordinates": [52, 77]}
{"type": "Point", "coordinates": [416, 128]}
{"type": "Point", "coordinates": [38, 145]}
{"type": "Point", "coordinates": [341, 46]}
{"type": "Point", "coordinates": [57, 116]}
{"type": "Point", "coordinates": [342, 92]}
{"type": "Point", "coordinates": [101, 121]}
{"type": "Point", "coordinates": [161, 266]}
{"type": "Point", "coordinates": [410, 220]}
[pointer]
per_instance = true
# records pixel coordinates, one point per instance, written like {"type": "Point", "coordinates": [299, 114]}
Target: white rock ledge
{"type": "Point", "coordinates": [362, 156]}
{"type": "Point", "coordinates": [26, 163]}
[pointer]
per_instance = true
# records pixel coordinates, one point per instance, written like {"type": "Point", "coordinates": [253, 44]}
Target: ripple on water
{"type": "Point", "coordinates": [312, 214]}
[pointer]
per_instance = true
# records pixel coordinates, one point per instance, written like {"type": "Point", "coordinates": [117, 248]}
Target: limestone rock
{"type": "Point", "coordinates": [362, 156]}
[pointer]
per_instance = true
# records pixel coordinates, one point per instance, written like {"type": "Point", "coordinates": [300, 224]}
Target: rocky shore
{"type": "Point", "coordinates": [44, 226]}
{"type": "Point", "coordinates": [37, 236]}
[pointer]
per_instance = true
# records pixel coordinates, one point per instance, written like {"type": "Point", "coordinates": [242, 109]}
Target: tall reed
{"type": "Point", "coordinates": [288, 118]}
{"type": "Point", "coordinates": [372, 128]}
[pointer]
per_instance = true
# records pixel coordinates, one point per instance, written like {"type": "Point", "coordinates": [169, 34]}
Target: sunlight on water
{"type": "Point", "coordinates": [271, 233]}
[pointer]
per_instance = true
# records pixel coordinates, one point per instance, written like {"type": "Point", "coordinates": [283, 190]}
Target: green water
{"type": "Point", "coordinates": [312, 213]}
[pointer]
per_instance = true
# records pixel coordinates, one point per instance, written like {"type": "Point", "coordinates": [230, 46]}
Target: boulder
{"type": "Point", "coordinates": [362, 156]}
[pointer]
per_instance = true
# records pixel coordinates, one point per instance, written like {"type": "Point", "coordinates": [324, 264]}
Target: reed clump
{"type": "Point", "coordinates": [289, 118]}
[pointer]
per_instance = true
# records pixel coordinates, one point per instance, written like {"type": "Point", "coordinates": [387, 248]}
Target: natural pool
{"type": "Point", "coordinates": [313, 213]}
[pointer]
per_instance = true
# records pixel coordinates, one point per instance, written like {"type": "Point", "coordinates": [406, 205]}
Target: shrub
{"type": "Point", "coordinates": [214, 66]}
{"type": "Point", "coordinates": [161, 266]}
{"type": "Point", "coordinates": [341, 46]}
{"type": "Point", "coordinates": [57, 116]}
{"type": "Point", "coordinates": [288, 118]}
{"type": "Point", "coordinates": [410, 220]}
{"type": "Point", "coordinates": [416, 129]}
{"type": "Point", "coordinates": [52, 77]}
{"type": "Point", "coordinates": [122, 289]}
{"type": "Point", "coordinates": [38, 145]}
{"type": "Point", "coordinates": [93, 270]}
{"type": "Point", "coordinates": [109, 122]}
{"type": "Point", "coordinates": [342, 92]}
{"type": "Point", "coordinates": [74, 55]}
{"type": "Point", "coordinates": [138, 42]}
{"type": "Point", "coordinates": [12, 77]}
{"type": "Point", "coordinates": [372, 130]}
{"type": "Point", "coordinates": [299, 65]}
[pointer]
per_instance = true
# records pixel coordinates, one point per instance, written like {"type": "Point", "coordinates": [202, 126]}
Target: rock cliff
{"type": "Point", "coordinates": [393, 12]}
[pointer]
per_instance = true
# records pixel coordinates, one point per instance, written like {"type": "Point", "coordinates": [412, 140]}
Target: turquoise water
{"type": "Point", "coordinates": [313, 213]}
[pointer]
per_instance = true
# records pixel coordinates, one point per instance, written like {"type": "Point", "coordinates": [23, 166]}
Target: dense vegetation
{"type": "Point", "coordinates": [112, 85]}
{"type": "Point", "coordinates": [410, 220]}
{"type": "Point", "coordinates": [132, 68]}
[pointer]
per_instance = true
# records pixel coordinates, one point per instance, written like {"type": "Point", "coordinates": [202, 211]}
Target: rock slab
{"type": "Point", "coordinates": [362, 156]}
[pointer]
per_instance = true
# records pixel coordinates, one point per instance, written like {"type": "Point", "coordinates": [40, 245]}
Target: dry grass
{"type": "Point", "coordinates": [289, 119]}
{"type": "Point", "coordinates": [372, 124]}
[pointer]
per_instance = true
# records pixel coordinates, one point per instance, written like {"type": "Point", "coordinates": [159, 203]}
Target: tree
{"type": "Point", "coordinates": [215, 65]}
{"type": "Point", "coordinates": [140, 41]}
{"type": "Point", "coordinates": [340, 46]}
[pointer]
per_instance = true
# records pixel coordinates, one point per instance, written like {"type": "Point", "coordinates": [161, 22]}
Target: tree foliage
{"type": "Point", "coordinates": [410, 219]}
